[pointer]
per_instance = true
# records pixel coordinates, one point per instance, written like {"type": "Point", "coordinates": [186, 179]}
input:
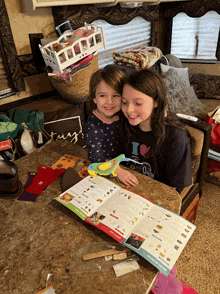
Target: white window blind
{"type": "Point", "coordinates": [195, 38]}
{"type": "Point", "coordinates": [121, 37]}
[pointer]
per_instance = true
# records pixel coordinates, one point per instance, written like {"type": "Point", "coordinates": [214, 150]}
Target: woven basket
{"type": "Point", "coordinates": [79, 87]}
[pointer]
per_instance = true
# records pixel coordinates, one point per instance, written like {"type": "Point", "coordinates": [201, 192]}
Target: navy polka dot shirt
{"type": "Point", "coordinates": [100, 139]}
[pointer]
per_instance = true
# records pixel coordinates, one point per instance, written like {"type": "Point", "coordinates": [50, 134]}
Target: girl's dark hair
{"type": "Point", "coordinates": [111, 75]}
{"type": "Point", "coordinates": [151, 84]}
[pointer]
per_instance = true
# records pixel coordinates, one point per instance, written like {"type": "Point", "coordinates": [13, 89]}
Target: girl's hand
{"type": "Point", "coordinates": [126, 177]}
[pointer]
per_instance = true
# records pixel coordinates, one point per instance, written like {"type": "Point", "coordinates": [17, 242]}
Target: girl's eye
{"type": "Point", "coordinates": [123, 102]}
{"type": "Point", "coordinates": [138, 104]}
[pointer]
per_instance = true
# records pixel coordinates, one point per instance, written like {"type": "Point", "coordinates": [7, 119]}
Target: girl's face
{"type": "Point", "coordinates": [137, 107]}
{"type": "Point", "coordinates": [108, 101]}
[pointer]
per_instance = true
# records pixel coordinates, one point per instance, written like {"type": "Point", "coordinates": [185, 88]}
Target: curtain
{"type": "Point", "coordinates": [193, 8]}
{"type": "Point", "coordinates": [122, 37]}
{"type": "Point", "coordinates": [195, 38]}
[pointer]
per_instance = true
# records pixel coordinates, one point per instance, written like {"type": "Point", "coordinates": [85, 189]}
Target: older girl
{"type": "Point", "coordinates": [149, 136]}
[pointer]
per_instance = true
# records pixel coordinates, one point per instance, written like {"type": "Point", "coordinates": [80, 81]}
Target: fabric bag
{"type": "Point", "coordinates": [8, 128]}
{"type": "Point", "coordinates": [32, 118]}
{"type": "Point", "coordinates": [171, 285]}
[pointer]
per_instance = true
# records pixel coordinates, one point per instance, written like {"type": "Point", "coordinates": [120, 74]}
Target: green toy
{"type": "Point", "coordinates": [108, 167]}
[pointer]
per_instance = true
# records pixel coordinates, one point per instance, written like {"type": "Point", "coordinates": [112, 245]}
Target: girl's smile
{"type": "Point", "coordinates": [137, 107]}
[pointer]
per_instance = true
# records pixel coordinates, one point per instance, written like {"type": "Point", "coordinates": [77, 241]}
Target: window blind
{"type": "Point", "coordinates": [4, 80]}
{"type": "Point", "coordinates": [195, 38]}
{"type": "Point", "coordinates": [121, 37]}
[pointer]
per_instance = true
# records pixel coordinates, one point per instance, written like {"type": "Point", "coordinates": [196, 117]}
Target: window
{"type": "Point", "coordinates": [11, 76]}
{"type": "Point", "coordinates": [5, 88]}
{"type": "Point", "coordinates": [195, 38]}
{"type": "Point", "coordinates": [120, 37]}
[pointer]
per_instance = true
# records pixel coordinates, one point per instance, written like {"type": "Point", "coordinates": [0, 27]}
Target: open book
{"type": "Point", "coordinates": [153, 232]}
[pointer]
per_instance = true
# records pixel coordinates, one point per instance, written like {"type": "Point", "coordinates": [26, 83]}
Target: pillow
{"type": "Point", "coordinates": [182, 73]}
{"type": "Point", "coordinates": [205, 86]}
{"type": "Point", "coordinates": [180, 95]}
{"type": "Point", "coordinates": [156, 67]}
{"type": "Point", "coordinates": [174, 60]}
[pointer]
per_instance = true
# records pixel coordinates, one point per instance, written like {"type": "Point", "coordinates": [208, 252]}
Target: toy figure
{"type": "Point", "coordinates": [108, 167]}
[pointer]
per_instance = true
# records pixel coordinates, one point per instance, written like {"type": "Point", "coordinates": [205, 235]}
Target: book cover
{"type": "Point", "coordinates": [67, 161]}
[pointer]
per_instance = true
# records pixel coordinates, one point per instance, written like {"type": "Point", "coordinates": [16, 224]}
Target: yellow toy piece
{"type": "Point", "coordinates": [108, 167]}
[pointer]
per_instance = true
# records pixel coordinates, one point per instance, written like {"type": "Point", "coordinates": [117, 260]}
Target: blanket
{"type": "Point", "coordinates": [139, 58]}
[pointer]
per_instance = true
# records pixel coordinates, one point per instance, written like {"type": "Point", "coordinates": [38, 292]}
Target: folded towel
{"type": "Point", "coordinates": [139, 58]}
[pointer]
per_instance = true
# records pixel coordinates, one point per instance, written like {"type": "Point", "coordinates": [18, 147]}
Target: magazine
{"type": "Point", "coordinates": [153, 232]}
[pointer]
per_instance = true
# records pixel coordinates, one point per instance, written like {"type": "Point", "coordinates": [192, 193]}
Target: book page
{"type": "Point", "coordinates": [88, 195]}
{"type": "Point", "coordinates": [161, 237]}
{"type": "Point", "coordinates": [122, 212]}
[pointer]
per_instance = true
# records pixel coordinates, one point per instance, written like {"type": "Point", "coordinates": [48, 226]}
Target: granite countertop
{"type": "Point", "coordinates": [44, 237]}
{"type": "Point", "coordinates": [47, 155]}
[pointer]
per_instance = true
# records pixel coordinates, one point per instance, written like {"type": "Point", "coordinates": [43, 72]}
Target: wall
{"type": "Point", "coordinates": [210, 69]}
{"type": "Point", "coordinates": [22, 24]}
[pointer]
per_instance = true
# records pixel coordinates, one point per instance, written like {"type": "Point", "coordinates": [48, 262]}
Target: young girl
{"type": "Point", "coordinates": [150, 136]}
{"type": "Point", "coordinates": [103, 124]}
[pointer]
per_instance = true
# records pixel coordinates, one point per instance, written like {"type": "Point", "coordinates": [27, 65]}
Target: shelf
{"type": "Point", "coordinates": [31, 5]}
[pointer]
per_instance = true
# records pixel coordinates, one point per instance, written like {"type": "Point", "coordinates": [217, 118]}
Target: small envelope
{"type": "Point", "coordinates": [125, 267]}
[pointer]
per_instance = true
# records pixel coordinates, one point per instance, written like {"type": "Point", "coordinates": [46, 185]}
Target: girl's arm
{"type": "Point", "coordinates": [126, 177]}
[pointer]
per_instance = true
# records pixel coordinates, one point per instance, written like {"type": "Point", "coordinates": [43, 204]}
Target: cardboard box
{"type": "Point", "coordinates": [190, 213]}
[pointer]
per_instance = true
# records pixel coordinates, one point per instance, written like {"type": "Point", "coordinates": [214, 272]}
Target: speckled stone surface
{"type": "Point", "coordinates": [44, 237]}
